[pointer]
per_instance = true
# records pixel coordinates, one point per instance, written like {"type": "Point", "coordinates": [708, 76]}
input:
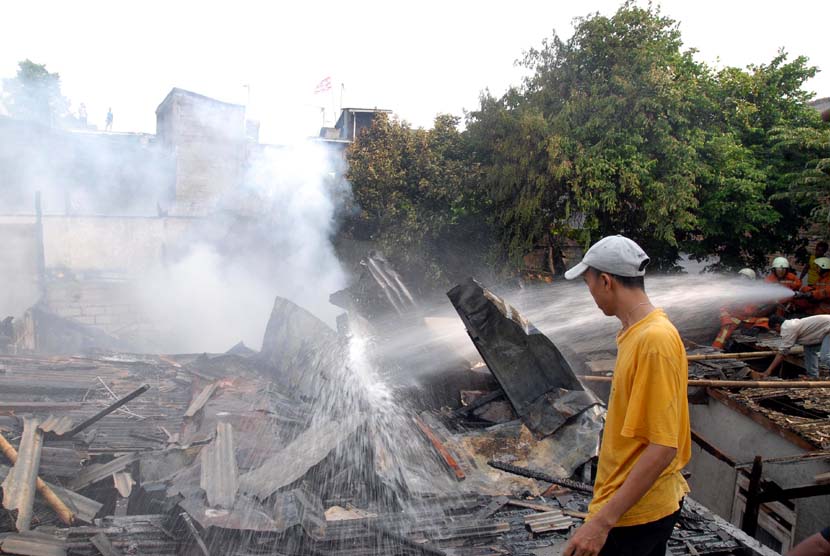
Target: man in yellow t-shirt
{"type": "Point", "coordinates": [811, 269]}
{"type": "Point", "coordinates": [638, 490]}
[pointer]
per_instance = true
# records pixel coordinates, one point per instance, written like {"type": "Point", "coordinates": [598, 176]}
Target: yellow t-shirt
{"type": "Point", "coordinates": [648, 404]}
{"type": "Point", "coordinates": [813, 272]}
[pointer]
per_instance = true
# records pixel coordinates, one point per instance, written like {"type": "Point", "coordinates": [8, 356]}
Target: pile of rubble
{"type": "Point", "coordinates": [293, 449]}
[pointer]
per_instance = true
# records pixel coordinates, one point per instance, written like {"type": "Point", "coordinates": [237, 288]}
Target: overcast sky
{"type": "Point", "coordinates": [415, 58]}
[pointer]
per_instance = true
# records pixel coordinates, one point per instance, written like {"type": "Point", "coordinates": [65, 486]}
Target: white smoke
{"type": "Point", "coordinates": [276, 241]}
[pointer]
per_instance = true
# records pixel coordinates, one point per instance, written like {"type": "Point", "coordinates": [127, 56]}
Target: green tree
{"type": "Point", "coordinates": [35, 94]}
{"type": "Point", "coordinates": [418, 196]}
{"type": "Point", "coordinates": [810, 185]}
{"type": "Point", "coordinates": [600, 130]}
{"type": "Point", "coordinates": [619, 130]}
{"type": "Point", "coordinates": [746, 210]}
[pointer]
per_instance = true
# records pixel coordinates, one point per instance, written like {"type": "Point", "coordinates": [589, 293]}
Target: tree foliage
{"type": "Point", "coordinates": [418, 195]}
{"type": "Point", "coordinates": [35, 94]}
{"type": "Point", "coordinates": [617, 129]}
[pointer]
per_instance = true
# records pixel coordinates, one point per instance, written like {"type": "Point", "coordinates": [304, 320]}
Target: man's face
{"type": "Point", "coordinates": [599, 285]}
{"type": "Point", "coordinates": [780, 272]}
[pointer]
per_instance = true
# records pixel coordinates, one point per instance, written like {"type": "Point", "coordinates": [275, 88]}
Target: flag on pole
{"type": "Point", "coordinates": [323, 86]}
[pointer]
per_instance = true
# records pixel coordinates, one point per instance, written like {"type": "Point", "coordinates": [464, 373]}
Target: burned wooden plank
{"type": "Point", "coordinates": [106, 411]}
{"type": "Point", "coordinates": [531, 370]}
{"type": "Point", "coordinates": [200, 400]}
{"type": "Point", "coordinates": [16, 408]}
{"type": "Point", "coordinates": [220, 474]}
{"type": "Point", "coordinates": [540, 476]}
{"type": "Point", "coordinates": [19, 486]}
{"type": "Point", "coordinates": [442, 450]}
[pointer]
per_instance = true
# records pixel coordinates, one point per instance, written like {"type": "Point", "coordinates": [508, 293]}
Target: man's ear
{"type": "Point", "coordinates": [606, 280]}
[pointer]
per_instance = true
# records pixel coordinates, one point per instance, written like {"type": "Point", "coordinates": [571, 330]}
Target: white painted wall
{"type": "Point", "coordinates": [713, 483]}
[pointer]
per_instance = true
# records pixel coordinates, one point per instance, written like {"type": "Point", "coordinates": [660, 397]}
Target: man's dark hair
{"type": "Point", "coordinates": [629, 282]}
{"type": "Point", "coordinates": [822, 244]}
{"type": "Point", "coordinates": [775, 320]}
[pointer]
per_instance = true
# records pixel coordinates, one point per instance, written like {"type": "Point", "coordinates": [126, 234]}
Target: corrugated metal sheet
{"type": "Point", "coordinates": [104, 546]}
{"type": "Point", "coordinates": [58, 425]}
{"type": "Point", "coordinates": [85, 508]}
{"type": "Point", "coordinates": [294, 461]}
{"type": "Point", "coordinates": [19, 486]}
{"type": "Point", "coordinates": [32, 543]}
{"type": "Point", "coordinates": [136, 534]}
{"type": "Point", "coordinates": [220, 475]}
{"type": "Point", "coordinates": [73, 386]}
{"type": "Point", "coordinates": [548, 521]}
{"type": "Point", "coordinates": [98, 472]}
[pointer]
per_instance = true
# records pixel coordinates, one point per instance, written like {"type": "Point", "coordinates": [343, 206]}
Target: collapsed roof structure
{"type": "Point", "coordinates": [302, 448]}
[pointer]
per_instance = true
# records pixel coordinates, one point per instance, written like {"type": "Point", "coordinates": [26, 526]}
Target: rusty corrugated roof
{"type": "Point", "coordinates": [220, 475]}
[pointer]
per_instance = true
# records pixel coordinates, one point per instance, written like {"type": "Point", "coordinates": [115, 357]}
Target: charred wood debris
{"type": "Point", "coordinates": [281, 451]}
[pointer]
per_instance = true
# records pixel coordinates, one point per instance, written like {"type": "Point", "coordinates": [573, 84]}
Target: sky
{"type": "Point", "coordinates": [417, 59]}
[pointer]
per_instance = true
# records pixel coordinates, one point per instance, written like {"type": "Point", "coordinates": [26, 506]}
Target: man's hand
{"type": "Point", "coordinates": [588, 540]}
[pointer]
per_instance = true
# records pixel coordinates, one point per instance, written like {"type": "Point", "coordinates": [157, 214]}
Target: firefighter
{"type": "Point", "coordinates": [814, 299]}
{"type": "Point", "coordinates": [744, 316]}
{"type": "Point", "coordinates": [783, 275]}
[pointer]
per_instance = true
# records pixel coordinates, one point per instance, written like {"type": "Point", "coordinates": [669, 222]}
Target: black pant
{"type": "Point", "coordinates": [648, 539]}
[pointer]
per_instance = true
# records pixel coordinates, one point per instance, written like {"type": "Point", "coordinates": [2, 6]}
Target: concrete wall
{"type": "Point", "coordinates": [105, 302]}
{"type": "Point", "coordinates": [713, 482]}
{"type": "Point", "coordinates": [82, 172]}
{"type": "Point", "coordinates": [208, 141]}
{"type": "Point", "coordinates": [125, 244]}
{"type": "Point", "coordinates": [92, 266]}
{"type": "Point", "coordinates": [18, 266]}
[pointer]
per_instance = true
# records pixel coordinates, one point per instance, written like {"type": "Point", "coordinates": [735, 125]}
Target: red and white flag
{"type": "Point", "coordinates": [323, 86]}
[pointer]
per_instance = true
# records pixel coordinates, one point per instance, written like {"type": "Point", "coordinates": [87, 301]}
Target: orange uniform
{"type": "Point", "coordinates": [790, 280]}
{"type": "Point", "coordinates": [820, 303]}
{"type": "Point", "coordinates": [739, 316]}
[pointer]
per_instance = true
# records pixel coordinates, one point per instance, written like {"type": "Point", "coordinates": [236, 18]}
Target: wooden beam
{"type": "Point", "coordinates": [714, 383]}
{"type": "Point", "coordinates": [442, 450]}
{"type": "Point", "coordinates": [710, 448]}
{"type": "Point", "coordinates": [804, 491]}
{"type": "Point", "coordinates": [749, 524]}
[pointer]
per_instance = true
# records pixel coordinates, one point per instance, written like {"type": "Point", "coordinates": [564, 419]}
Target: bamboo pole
{"type": "Point", "coordinates": [742, 355]}
{"type": "Point", "coordinates": [736, 383]}
{"type": "Point", "coordinates": [64, 513]}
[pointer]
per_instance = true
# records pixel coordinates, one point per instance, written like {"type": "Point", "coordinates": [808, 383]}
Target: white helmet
{"type": "Point", "coordinates": [780, 262]}
{"type": "Point", "coordinates": [823, 263]}
{"type": "Point", "coordinates": [749, 273]}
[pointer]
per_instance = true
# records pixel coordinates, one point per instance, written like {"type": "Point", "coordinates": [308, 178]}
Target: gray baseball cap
{"type": "Point", "coordinates": [615, 255]}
